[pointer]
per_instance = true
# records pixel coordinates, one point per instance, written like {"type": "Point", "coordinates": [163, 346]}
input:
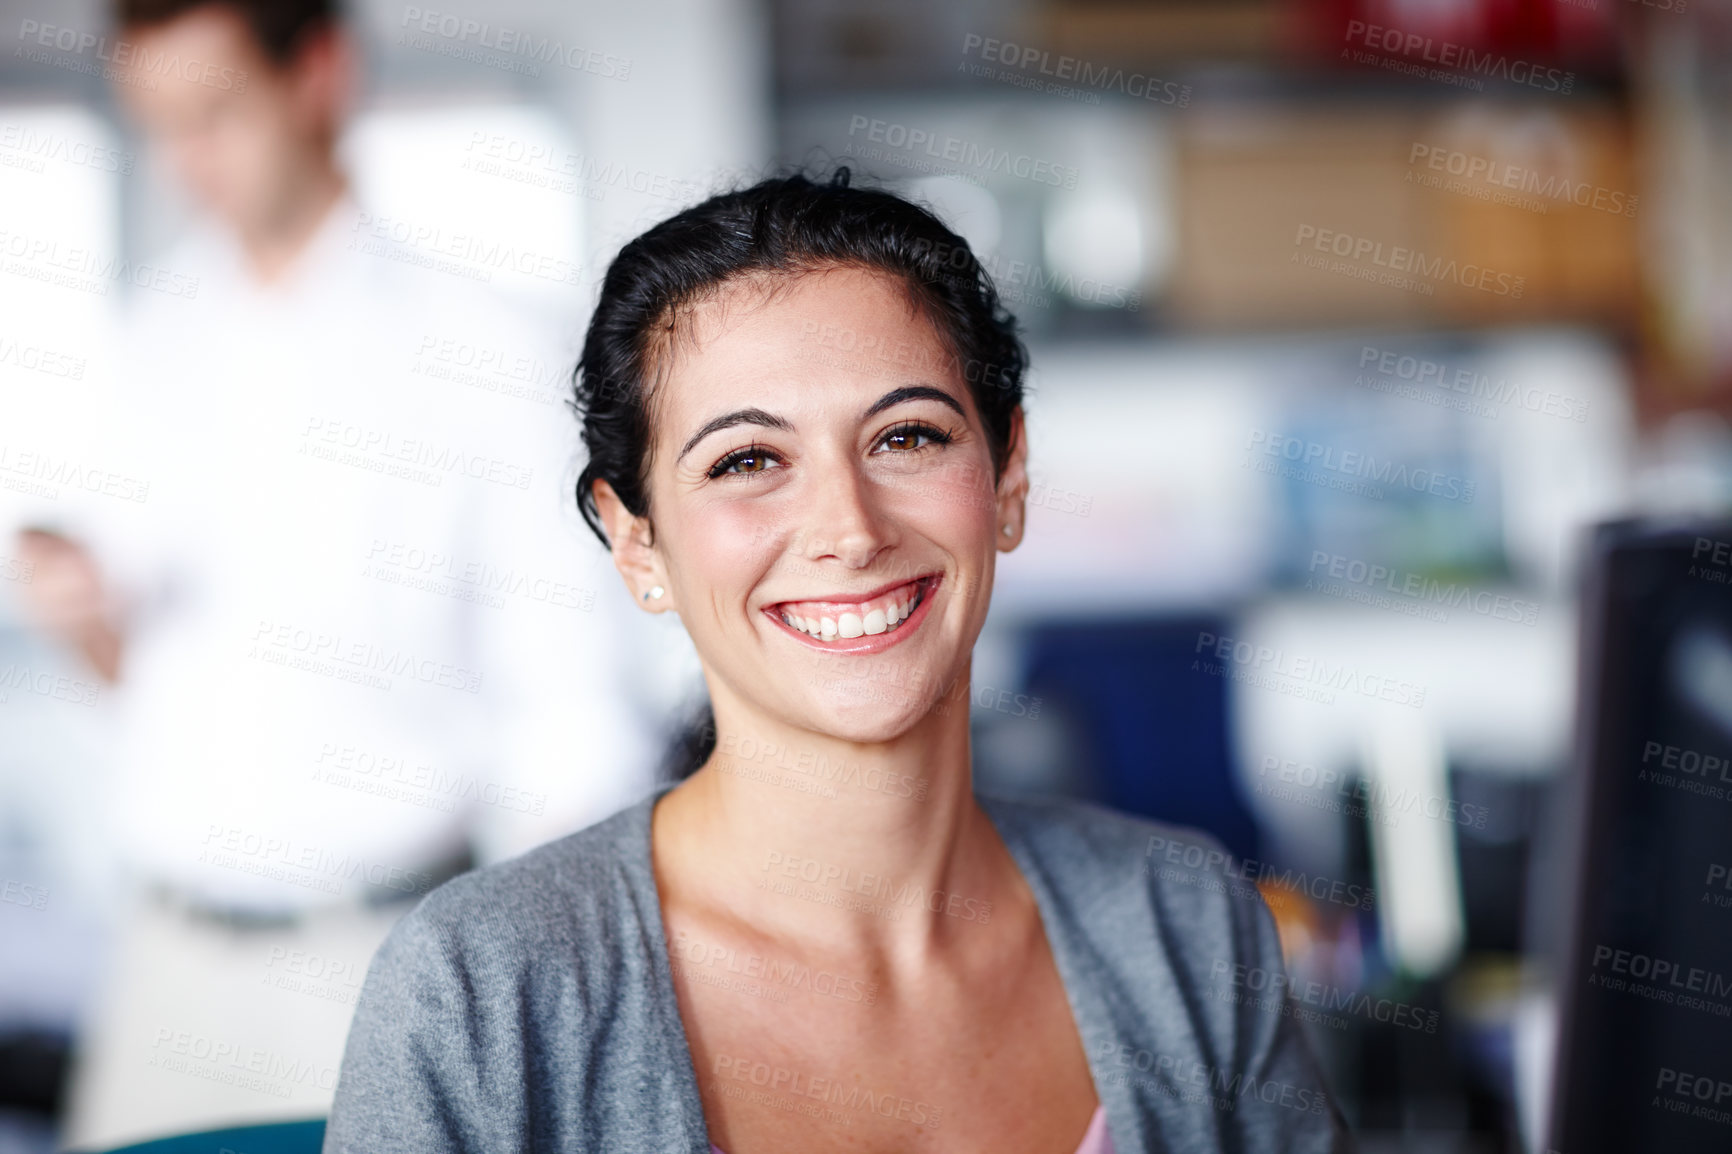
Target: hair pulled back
{"type": "Point", "coordinates": [786, 225]}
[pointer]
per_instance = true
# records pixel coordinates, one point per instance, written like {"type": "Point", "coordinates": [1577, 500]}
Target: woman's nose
{"type": "Point", "coordinates": [844, 521]}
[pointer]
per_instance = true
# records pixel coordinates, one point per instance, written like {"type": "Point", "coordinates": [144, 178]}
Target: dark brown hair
{"type": "Point", "coordinates": [784, 225]}
{"type": "Point", "coordinates": [279, 26]}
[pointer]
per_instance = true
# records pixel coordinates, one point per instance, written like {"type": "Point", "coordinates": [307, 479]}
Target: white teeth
{"type": "Point", "coordinates": [851, 625]}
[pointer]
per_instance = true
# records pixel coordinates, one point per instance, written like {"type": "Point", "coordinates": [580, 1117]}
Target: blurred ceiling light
{"type": "Point", "coordinates": [1094, 239]}
{"type": "Point", "coordinates": [970, 210]}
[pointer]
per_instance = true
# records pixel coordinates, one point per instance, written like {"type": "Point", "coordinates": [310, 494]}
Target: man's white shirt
{"type": "Point", "coordinates": [366, 623]}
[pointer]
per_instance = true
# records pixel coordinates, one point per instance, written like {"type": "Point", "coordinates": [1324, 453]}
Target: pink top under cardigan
{"type": "Point", "coordinates": [1095, 1141]}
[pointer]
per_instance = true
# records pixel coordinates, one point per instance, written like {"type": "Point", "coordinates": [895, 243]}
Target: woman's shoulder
{"type": "Point", "coordinates": [503, 988]}
{"type": "Point", "coordinates": [1131, 880]}
{"type": "Point", "coordinates": [1090, 840]}
{"type": "Point", "coordinates": [1159, 927]}
{"type": "Point", "coordinates": [564, 898]}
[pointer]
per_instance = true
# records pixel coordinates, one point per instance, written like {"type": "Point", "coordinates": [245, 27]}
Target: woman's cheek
{"type": "Point", "coordinates": [732, 532]}
{"type": "Point", "coordinates": [953, 498]}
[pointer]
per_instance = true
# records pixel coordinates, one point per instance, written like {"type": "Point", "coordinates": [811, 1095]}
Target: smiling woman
{"type": "Point", "coordinates": [823, 939]}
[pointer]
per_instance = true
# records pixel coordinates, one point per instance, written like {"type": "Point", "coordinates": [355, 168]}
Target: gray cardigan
{"type": "Point", "coordinates": [530, 1005]}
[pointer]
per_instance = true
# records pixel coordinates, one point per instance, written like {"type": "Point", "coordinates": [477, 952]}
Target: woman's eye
{"type": "Point", "coordinates": [743, 461]}
{"type": "Point", "coordinates": [906, 438]}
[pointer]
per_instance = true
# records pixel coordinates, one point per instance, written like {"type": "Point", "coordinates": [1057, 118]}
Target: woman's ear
{"type": "Point", "coordinates": [632, 542]}
{"type": "Point", "coordinates": [1013, 486]}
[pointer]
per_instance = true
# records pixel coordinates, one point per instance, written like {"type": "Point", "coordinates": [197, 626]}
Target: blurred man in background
{"type": "Point", "coordinates": [358, 644]}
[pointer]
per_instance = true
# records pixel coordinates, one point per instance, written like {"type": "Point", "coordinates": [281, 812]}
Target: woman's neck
{"type": "Point", "coordinates": [830, 844]}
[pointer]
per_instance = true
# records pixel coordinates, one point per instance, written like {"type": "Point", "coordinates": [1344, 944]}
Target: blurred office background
{"type": "Point", "coordinates": [1339, 350]}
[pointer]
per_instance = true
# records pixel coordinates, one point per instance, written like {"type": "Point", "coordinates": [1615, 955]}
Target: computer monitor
{"type": "Point", "coordinates": [1644, 1054]}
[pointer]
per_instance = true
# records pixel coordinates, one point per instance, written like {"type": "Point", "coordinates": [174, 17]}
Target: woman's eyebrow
{"type": "Point", "coordinates": [771, 421]}
{"type": "Point", "coordinates": [914, 393]}
{"type": "Point", "coordinates": [738, 417]}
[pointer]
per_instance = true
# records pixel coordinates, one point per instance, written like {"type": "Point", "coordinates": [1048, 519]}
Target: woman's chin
{"type": "Point", "coordinates": [869, 715]}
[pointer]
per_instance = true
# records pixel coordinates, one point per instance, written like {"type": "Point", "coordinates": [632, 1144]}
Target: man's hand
{"type": "Point", "coordinates": [66, 597]}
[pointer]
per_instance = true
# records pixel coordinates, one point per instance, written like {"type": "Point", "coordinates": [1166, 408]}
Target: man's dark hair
{"type": "Point", "coordinates": [279, 26]}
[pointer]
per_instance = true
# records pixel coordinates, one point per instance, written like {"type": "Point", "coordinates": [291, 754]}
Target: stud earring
{"type": "Point", "coordinates": [654, 591]}
{"type": "Point", "coordinates": [1007, 531]}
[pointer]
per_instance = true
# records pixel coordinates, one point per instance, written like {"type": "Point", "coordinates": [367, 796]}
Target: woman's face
{"type": "Point", "coordinates": [824, 507]}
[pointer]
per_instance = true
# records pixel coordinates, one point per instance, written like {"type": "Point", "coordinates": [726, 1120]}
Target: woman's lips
{"type": "Point", "coordinates": [862, 625]}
